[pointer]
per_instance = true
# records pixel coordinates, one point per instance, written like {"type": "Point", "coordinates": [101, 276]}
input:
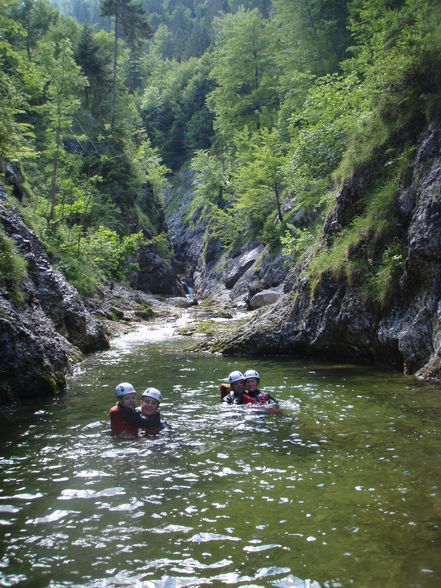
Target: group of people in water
{"type": "Point", "coordinates": [128, 421]}
{"type": "Point", "coordinates": [244, 389]}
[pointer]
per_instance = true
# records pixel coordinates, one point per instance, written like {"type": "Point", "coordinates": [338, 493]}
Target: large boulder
{"type": "Point", "coordinates": [156, 275]}
{"type": "Point", "coordinates": [264, 298]}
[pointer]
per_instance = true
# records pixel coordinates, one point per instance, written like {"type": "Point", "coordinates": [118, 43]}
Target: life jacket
{"type": "Point", "coordinates": [257, 397]}
{"type": "Point", "coordinates": [120, 427]}
{"type": "Point", "coordinates": [248, 398]}
{"type": "Point", "coordinates": [225, 389]}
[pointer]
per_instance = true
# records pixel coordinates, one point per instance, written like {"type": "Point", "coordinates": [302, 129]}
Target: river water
{"type": "Point", "coordinates": [342, 489]}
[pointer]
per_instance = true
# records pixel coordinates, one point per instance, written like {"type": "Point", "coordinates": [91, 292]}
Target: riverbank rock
{"type": "Point", "coordinates": [264, 298]}
{"type": "Point", "coordinates": [46, 332]}
{"type": "Point", "coordinates": [182, 301]}
{"type": "Point", "coordinates": [121, 308]}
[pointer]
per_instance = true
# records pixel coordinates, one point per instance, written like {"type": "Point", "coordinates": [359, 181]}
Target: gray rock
{"type": "Point", "coordinates": [181, 301]}
{"type": "Point", "coordinates": [336, 322]}
{"type": "Point", "coordinates": [156, 275]}
{"type": "Point", "coordinates": [240, 265]}
{"type": "Point", "coordinates": [42, 338]}
{"type": "Point", "coordinates": [264, 298]}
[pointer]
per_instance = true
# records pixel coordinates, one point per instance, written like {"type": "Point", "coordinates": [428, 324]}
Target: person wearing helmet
{"type": "Point", "coordinates": [124, 420]}
{"type": "Point", "coordinates": [235, 394]}
{"type": "Point", "coordinates": [252, 394]}
{"type": "Point", "coordinates": [150, 401]}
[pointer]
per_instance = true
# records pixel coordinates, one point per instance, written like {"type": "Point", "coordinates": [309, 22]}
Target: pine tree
{"type": "Point", "coordinates": [131, 19]}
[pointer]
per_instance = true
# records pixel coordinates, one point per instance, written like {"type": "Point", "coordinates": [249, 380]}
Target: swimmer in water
{"type": "Point", "coordinates": [150, 401]}
{"type": "Point", "coordinates": [236, 385]}
{"type": "Point", "coordinates": [252, 394]}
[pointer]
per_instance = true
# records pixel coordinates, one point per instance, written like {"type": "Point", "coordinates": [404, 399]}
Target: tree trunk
{"type": "Point", "coordinates": [53, 193]}
{"type": "Point", "coordinates": [279, 208]}
{"type": "Point", "coordinates": [115, 62]}
{"type": "Point", "coordinates": [314, 29]}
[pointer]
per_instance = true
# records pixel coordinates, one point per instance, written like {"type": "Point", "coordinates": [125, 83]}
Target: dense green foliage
{"type": "Point", "coordinates": [12, 268]}
{"type": "Point", "coordinates": [274, 104]}
{"type": "Point", "coordinates": [94, 181]}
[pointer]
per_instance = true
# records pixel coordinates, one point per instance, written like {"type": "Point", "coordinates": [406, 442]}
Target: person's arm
{"type": "Point", "coordinates": [137, 420]}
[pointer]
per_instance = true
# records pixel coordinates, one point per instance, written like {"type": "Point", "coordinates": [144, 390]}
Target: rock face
{"type": "Point", "coordinates": [156, 275]}
{"type": "Point", "coordinates": [231, 280]}
{"type": "Point", "coordinates": [43, 336]}
{"type": "Point", "coordinates": [336, 322]}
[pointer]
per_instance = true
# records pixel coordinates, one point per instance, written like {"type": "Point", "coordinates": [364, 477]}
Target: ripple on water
{"type": "Point", "coordinates": [346, 485]}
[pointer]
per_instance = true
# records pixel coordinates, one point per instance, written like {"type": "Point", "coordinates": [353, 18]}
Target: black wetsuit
{"type": "Point", "coordinates": [232, 398]}
{"type": "Point", "coordinates": [136, 419]}
{"type": "Point", "coordinates": [155, 424]}
{"type": "Point", "coordinates": [125, 421]}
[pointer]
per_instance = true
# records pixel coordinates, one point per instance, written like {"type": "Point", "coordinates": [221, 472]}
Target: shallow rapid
{"type": "Point", "coordinates": [341, 489]}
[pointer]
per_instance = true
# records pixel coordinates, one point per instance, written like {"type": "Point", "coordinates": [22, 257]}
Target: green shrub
{"type": "Point", "coordinates": [383, 281]}
{"type": "Point", "coordinates": [296, 241]}
{"type": "Point", "coordinates": [12, 268]}
{"type": "Point", "coordinates": [81, 273]}
{"type": "Point", "coordinates": [163, 246]}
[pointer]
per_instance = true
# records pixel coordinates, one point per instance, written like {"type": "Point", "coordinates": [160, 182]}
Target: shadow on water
{"type": "Point", "coordinates": [342, 488]}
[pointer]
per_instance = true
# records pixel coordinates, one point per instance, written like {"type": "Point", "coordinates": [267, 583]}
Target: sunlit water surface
{"type": "Point", "coordinates": [342, 489]}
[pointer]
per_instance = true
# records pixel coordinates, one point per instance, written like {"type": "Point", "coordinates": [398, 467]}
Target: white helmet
{"type": "Point", "coordinates": [152, 393]}
{"type": "Point", "coordinates": [123, 389]}
{"type": "Point", "coordinates": [235, 377]}
{"type": "Point", "coordinates": [251, 374]}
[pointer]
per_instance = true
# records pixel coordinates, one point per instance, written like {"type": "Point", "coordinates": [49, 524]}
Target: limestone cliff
{"type": "Point", "coordinates": [336, 321]}
{"type": "Point", "coordinates": [42, 336]}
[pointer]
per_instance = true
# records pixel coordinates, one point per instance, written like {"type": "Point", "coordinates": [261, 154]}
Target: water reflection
{"type": "Point", "coordinates": [342, 488]}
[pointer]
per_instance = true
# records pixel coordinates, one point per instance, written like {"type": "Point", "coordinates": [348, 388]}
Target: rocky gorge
{"type": "Point", "coordinates": [43, 335]}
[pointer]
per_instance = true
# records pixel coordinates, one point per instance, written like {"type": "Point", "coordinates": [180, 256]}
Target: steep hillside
{"type": "Point", "coordinates": [335, 319]}
{"type": "Point", "coordinates": [45, 327]}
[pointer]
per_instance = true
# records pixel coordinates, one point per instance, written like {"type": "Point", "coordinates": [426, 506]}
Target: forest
{"type": "Point", "coordinates": [270, 105]}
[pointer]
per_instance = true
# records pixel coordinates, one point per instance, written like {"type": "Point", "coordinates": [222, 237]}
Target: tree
{"type": "Point", "coordinates": [65, 82]}
{"type": "Point", "coordinates": [131, 18]}
{"type": "Point", "coordinates": [259, 181]}
{"type": "Point", "coordinates": [310, 35]}
{"type": "Point", "coordinates": [18, 82]}
{"type": "Point", "coordinates": [244, 71]}
{"type": "Point", "coordinates": [174, 109]}
{"type": "Point", "coordinates": [95, 61]}
{"type": "Point", "coordinates": [36, 17]}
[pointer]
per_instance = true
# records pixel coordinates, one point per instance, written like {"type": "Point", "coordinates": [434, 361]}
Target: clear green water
{"type": "Point", "coordinates": [342, 489]}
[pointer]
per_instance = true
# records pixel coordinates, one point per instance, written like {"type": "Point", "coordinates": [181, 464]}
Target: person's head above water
{"type": "Point", "coordinates": [126, 394]}
{"type": "Point", "coordinates": [236, 382]}
{"type": "Point", "coordinates": [150, 399]}
{"type": "Point", "coordinates": [251, 379]}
